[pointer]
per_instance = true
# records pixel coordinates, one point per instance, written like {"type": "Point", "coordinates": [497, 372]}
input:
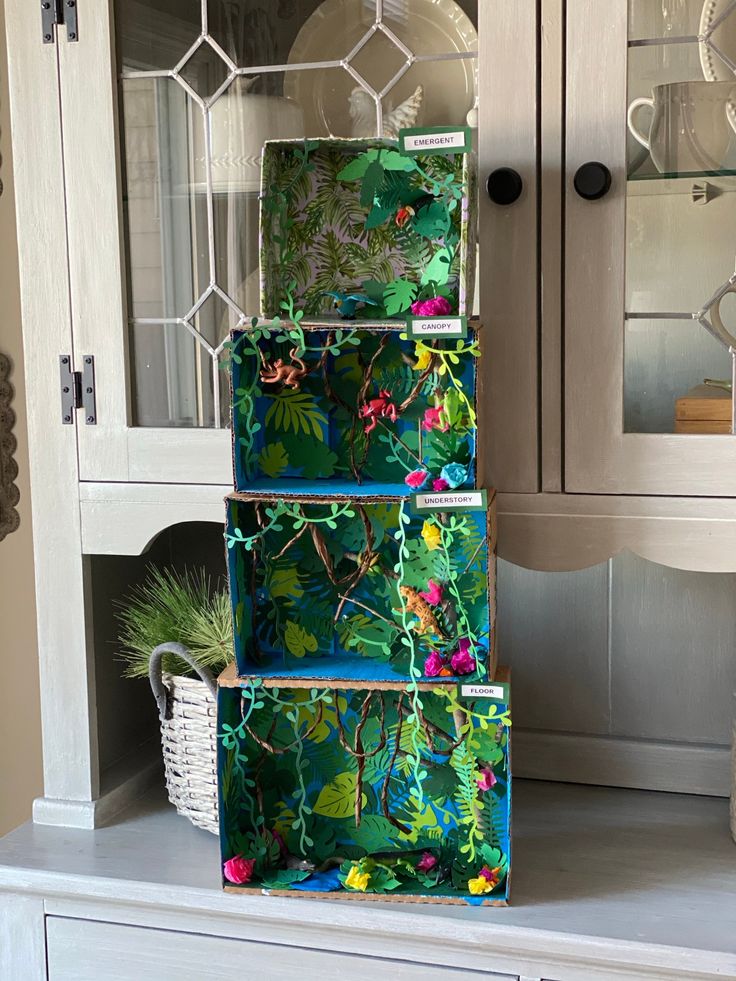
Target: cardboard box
{"type": "Point", "coordinates": [345, 791]}
{"type": "Point", "coordinates": [705, 409]}
{"type": "Point", "coordinates": [361, 217]}
{"type": "Point", "coordinates": [364, 588]}
{"type": "Point", "coordinates": [339, 408]}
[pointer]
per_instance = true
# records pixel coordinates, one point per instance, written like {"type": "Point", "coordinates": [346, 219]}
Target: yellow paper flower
{"type": "Point", "coordinates": [479, 886]}
{"type": "Point", "coordinates": [424, 356]}
{"type": "Point", "coordinates": [358, 880]}
{"type": "Point", "coordinates": [431, 535]}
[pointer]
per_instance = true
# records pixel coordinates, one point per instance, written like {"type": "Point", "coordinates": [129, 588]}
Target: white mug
{"type": "Point", "coordinates": [692, 125]}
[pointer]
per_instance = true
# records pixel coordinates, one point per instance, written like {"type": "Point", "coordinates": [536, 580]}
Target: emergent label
{"type": "Point", "coordinates": [438, 139]}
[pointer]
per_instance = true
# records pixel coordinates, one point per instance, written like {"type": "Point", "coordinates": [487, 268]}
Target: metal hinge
{"type": "Point", "coordinates": [77, 390]}
{"type": "Point", "coordinates": [54, 13]}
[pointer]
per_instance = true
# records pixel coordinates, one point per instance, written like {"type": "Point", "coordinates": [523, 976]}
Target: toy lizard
{"type": "Point", "coordinates": [421, 609]}
{"type": "Point", "coordinates": [290, 375]}
{"type": "Point", "coordinates": [378, 408]}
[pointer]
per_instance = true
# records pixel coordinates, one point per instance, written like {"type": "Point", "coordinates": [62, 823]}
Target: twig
{"type": "Point", "coordinates": [368, 609]}
{"type": "Point", "coordinates": [384, 789]}
{"type": "Point", "coordinates": [472, 558]}
{"type": "Point", "coordinates": [400, 441]}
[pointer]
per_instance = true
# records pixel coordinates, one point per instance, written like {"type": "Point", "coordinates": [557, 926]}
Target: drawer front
{"type": "Point", "coordinates": [89, 950]}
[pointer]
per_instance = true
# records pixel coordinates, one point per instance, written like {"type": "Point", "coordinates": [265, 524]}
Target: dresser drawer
{"type": "Point", "coordinates": [89, 950]}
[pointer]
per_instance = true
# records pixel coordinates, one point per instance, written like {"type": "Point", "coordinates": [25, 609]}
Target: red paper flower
{"type": "Point", "coordinates": [427, 862]}
{"type": "Point", "coordinates": [435, 306]}
{"type": "Point", "coordinates": [239, 870]}
{"type": "Point", "coordinates": [433, 594]}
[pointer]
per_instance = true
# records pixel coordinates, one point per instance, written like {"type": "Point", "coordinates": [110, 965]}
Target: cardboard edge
{"type": "Point", "coordinates": [372, 897]}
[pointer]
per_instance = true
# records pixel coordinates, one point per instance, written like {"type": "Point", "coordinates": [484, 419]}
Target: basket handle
{"type": "Point", "coordinates": [158, 687]}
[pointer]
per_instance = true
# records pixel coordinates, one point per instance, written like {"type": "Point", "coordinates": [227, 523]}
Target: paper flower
{"type": "Point", "coordinates": [239, 870]}
{"type": "Point", "coordinates": [454, 473]}
{"type": "Point", "coordinates": [439, 484]}
{"type": "Point", "coordinates": [462, 660]}
{"type": "Point", "coordinates": [436, 306]}
{"type": "Point", "coordinates": [479, 886]}
{"type": "Point", "coordinates": [434, 665]}
{"type": "Point", "coordinates": [427, 862]}
{"type": "Point", "coordinates": [355, 879]}
{"type": "Point", "coordinates": [433, 594]}
{"type": "Point", "coordinates": [485, 780]}
{"type": "Point", "coordinates": [416, 479]}
{"type": "Point", "coordinates": [424, 356]}
{"type": "Point", "coordinates": [433, 419]}
{"type": "Point", "coordinates": [491, 875]}
{"type": "Point", "coordinates": [431, 535]}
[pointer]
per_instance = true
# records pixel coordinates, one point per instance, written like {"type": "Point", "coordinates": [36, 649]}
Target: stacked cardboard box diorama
{"type": "Point", "coordinates": [364, 727]}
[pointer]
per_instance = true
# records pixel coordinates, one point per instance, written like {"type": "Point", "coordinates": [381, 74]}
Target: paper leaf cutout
{"type": "Point", "coordinates": [398, 296]}
{"type": "Point", "coordinates": [298, 641]}
{"type": "Point", "coordinates": [296, 411]}
{"type": "Point", "coordinates": [273, 460]}
{"type": "Point", "coordinates": [337, 799]}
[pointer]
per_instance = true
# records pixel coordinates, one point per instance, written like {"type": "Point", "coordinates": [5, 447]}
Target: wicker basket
{"type": "Point", "coordinates": [187, 709]}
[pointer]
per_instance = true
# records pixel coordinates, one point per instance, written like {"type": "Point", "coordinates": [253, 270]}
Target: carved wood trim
{"type": "Point", "coordinates": [9, 494]}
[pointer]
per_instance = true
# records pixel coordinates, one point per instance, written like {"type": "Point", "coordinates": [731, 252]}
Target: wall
{"type": "Point", "coordinates": [20, 734]}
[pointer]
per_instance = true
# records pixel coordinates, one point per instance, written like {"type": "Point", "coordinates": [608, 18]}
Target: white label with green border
{"type": "Point", "coordinates": [437, 326]}
{"type": "Point", "coordinates": [497, 692]}
{"type": "Point", "coordinates": [436, 139]}
{"type": "Point", "coordinates": [460, 500]}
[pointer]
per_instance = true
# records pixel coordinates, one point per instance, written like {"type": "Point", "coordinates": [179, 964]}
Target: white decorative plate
{"type": "Point", "coordinates": [715, 70]}
{"type": "Point", "coordinates": [426, 27]}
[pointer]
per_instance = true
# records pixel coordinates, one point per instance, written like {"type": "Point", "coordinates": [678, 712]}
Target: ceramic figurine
{"type": "Point", "coordinates": [346, 304]}
{"type": "Point", "coordinates": [363, 114]}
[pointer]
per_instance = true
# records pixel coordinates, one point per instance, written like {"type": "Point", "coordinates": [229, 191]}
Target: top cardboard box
{"type": "Point", "coordinates": [366, 219]}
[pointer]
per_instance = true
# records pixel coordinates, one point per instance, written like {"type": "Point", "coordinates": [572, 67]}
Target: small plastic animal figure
{"type": "Point", "coordinates": [289, 375]}
{"type": "Point", "coordinates": [422, 611]}
{"type": "Point", "coordinates": [379, 408]}
{"type": "Point", "coordinates": [346, 304]}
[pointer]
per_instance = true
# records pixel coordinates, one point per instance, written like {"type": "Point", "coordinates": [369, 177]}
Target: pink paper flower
{"type": "Point", "coordinates": [485, 780]}
{"type": "Point", "coordinates": [490, 875]}
{"type": "Point", "coordinates": [439, 484]}
{"type": "Point", "coordinates": [426, 863]}
{"type": "Point", "coordinates": [416, 479]}
{"type": "Point", "coordinates": [433, 419]}
{"type": "Point", "coordinates": [463, 661]}
{"type": "Point", "coordinates": [433, 594]}
{"type": "Point", "coordinates": [436, 306]}
{"type": "Point", "coordinates": [434, 665]}
{"type": "Point", "coordinates": [239, 870]}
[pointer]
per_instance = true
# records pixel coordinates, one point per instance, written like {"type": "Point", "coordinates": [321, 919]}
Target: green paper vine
{"type": "Point", "coordinates": [415, 673]}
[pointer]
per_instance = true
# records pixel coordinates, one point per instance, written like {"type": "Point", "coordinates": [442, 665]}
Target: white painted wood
{"type": "Point", "coordinates": [66, 669]}
{"type": "Point", "coordinates": [81, 950]}
{"type": "Point", "coordinates": [508, 246]}
{"type": "Point", "coordinates": [673, 637]}
{"type": "Point", "coordinates": [551, 114]}
{"type": "Point", "coordinates": [553, 632]}
{"type": "Point", "coordinates": [113, 449]}
{"type": "Point", "coordinates": [22, 940]}
{"type": "Point", "coordinates": [636, 886]}
{"type": "Point", "coordinates": [614, 761]}
{"type": "Point", "coordinates": [123, 519]}
{"type": "Point", "coordinates": [599, 456]}
{"type": "Point", "coordinates": [573, 531]}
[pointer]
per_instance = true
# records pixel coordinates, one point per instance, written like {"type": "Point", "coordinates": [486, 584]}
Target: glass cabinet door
{"type": "Point", "coordinates": [650, 259]}
{"type": "Point", "coordinates": [200, 85]}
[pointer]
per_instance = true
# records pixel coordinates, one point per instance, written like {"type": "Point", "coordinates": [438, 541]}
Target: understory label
{"type": "Point", "coordinates": [461, 500]}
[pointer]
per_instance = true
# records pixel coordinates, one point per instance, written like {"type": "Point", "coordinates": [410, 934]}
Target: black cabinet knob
{"type": "Point", "coordinates": [592, 180]}
{"type": "Point", "coordinates": [504, 186]}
